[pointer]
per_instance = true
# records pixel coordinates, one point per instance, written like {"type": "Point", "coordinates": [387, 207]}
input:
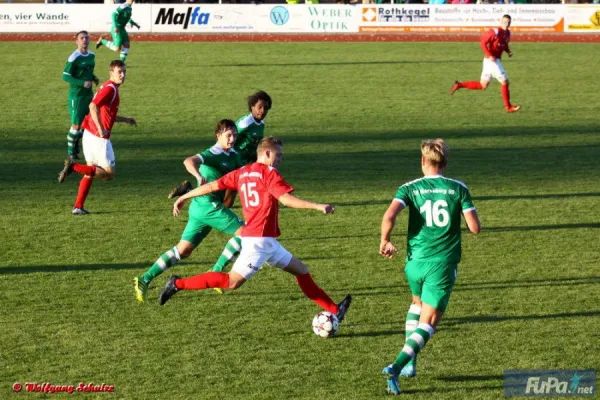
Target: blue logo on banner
{"type": "Point", "coordinates": [550, 383]}
{"type": "Point", "coordinates": [280, 15]}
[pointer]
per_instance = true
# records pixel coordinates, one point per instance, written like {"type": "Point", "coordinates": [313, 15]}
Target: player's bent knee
{"type": "Point", "coordinates": [484, 84]}
{"type": "Point", "coordinates": [235, 281]}
{"type": "Point", "coordinates": [296, 267]}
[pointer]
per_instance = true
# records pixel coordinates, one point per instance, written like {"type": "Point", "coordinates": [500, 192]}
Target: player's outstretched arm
{"type": "Point", "coordinates": [386, 247]}
{"type": "Point", "coordinates": [202, 190]}
{"type": "Point", "coordinates": [192, 164]}
{"type": "Point", "coordinates": [292, 201]}
{"type": "Point", "coordinates": [472, 220]}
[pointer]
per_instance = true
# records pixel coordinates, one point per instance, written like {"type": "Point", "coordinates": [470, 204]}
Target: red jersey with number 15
{"type": "Point", "coordinates": [260, 187]}
{"type": "Point", "coordinates": [107, 100]}
{"type": "Point", "coordinates": [494, 42]}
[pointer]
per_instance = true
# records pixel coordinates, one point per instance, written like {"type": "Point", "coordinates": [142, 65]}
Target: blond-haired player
{"type": "Point", "coordinates": [261, 189]}
{"type": "Point", "coordinates": [435, 205]}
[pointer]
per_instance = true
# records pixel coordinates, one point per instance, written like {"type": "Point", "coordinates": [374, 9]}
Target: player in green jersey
{"type": "Point", "coordinates": [120, 38]}
{"type": "Point", "coordinates": [435, 206]}
{"type": "Point", "coordinates": [251, 129]}
{"type": "Point", "coordinates": [79, 73]}
{"type": "Point", "coordinates": [206, 212]}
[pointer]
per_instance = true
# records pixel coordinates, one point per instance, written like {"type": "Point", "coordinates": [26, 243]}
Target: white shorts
{"type": "Point", "coordinates": [493, 69]}
{"type": "Point", "coordinates": [259, 250]}
{"type": "Point", "coordinates": [98, 150]}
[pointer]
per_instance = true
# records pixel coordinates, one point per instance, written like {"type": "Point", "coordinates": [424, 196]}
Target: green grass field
{"type": "Point", "coordinates": [352, 117]}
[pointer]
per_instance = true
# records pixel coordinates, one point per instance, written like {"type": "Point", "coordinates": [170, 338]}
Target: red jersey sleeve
{"type": "Point", "coordinates": [276, 185]}
{"type": "Point", "coordinates": [229, 181]}
{"type": "Point", "coordinates": [485, 40]}
{"type": "Point", "coordinates": [105, 95]}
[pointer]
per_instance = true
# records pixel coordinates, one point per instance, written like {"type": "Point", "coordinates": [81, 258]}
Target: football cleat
{"type": "Point", "coordinates": [343, 307]}
{"type": "Point", "coordinates": [454, 88]}
{"type": "Point", "coordinates": [393, 387]}
{"type": "Point", "coordinates": [218, 290]}
{"type": "Point", "coordinates": [99, 42]}
{"type": "Point", "coordinates": [168, 291]}
{"type": "Point", "coordinates": [409, 371]}
{"type": "Point", "coordinates": [513, 108]}
{"type": "Point", "coordinates": [80, 211]}
{"type": "Point", "coordinates": [141, 287]}
{"type": "Point", "coordinates": [180, 190]}
{"type": "Point", "coordinates": [66, 171]}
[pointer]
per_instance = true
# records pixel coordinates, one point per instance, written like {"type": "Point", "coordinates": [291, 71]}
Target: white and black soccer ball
{"type": "Point", "coordinates": [325, 324]}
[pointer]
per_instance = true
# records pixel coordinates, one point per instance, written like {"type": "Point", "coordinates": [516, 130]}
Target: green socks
{"type": "Point", "coordinates": [231, 250]}
{"type": "Point", "coordinates": [412, 321]}
{"type": "Point", "coordinates": [164, 262]}
{"type": "Point", "coordinates": [415, 342]}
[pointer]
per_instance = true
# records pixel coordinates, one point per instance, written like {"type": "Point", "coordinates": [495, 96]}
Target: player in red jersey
{"type": "Point", "coordinates": [493, 44]}
{"type": "Point", "coordinates": [261, 188]}
{"type": "Point", "coordinates": [97, 147]}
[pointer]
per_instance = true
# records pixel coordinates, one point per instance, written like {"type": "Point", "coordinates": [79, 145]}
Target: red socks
{"type": "Point", "coordinates": [505, 95]}
{"type": "Point", "coordinates": [204, 281]}
{"type": "Point", "coordinates": [315, 293]}
{"type": "Point", "coordinates": [471, 85]}
{"type": "Point", "coordinates": [84, 169]}
{"type": "Point", "coordinates": [84, 190]}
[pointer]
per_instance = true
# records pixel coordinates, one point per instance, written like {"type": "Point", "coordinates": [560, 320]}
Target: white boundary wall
{"type": "Point", "coordinates": [302, 18]}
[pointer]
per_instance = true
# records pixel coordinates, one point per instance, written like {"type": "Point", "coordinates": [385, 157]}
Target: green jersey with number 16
{"type": "Point", "coordinates": [435, 205]}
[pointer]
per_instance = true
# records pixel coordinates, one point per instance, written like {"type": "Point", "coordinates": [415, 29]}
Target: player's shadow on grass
{"type": "Point", "coordinates": [70, 268]}
{"type": "Point", "coordinates": [593, 225]}
{"type": "Point", "coordinates": [496, 318]}
{"type": "Point", "coordinates": [586, 280]}
{"type": "Point", "coordinates": [375, 202]}
{"type": "Point", "coordinates": [445, 389]}
{"type": "Point", "coordinates": [337, 63]}
{"type": "Point", "coordinates": [467, 378]}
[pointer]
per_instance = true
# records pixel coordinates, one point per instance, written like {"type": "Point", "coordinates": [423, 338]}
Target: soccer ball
{"type": "Point", "coordinates": [325, 324]}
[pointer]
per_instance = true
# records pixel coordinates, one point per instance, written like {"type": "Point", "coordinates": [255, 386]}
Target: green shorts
{"type": "Point", "coordinates": [431, 281]}
{"type": "Point", "coordinates": [79, 107]}
{"type": "Point", "coordinates": [204, 217]}
{"type": "Point", "coordinates": [120, 37]}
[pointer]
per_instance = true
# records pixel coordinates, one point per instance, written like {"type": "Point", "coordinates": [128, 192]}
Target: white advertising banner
{"type": "Point", "coordinates": [460, 18]}
{"type": "Point", "coordinates": [583, 18]}
{"type": "Point", "coordinates": [302, 18]}
{"type": "Point", "coordinates": [254, 18]}
{"type": "Point", "coordinates": [52, 18]}
{"type": "Point", "coordinates": [202, 18]}
{"type": "Point", "coordinates": [309, 18]}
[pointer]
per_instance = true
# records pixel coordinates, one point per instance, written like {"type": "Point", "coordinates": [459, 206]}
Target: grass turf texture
{"type": "Point", "coordinates": [352, 117]}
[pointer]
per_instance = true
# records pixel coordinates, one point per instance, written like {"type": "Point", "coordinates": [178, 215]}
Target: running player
{"type": "Point", "coordinates": [97, 147]}
{"type": "Point", "coordinates": [120, 38]}
{"type": "Point", "coordinates": [261, 188]}
{"type": "Point", "coordinates": [493, 44]}
{"type": "Point", "coordinates": [79, 73]}
{"type": "Point", "coordinates": [435, 206]}
{"type": "Point", "coordinates": [206, 212]}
